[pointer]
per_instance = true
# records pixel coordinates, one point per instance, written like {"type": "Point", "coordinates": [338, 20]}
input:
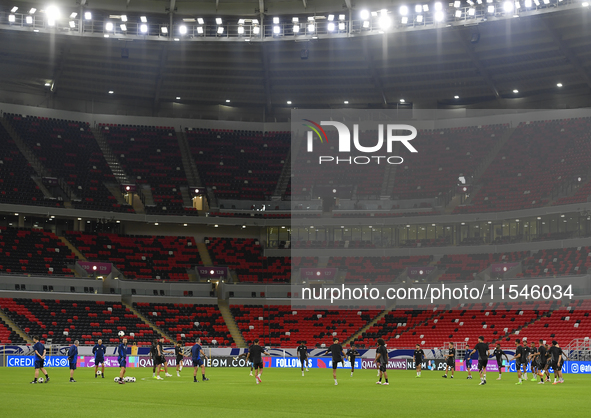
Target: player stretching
{"type": "Point", "coordinates": [482, 349]}
{"type": "Point", "coordinates": [122, 358]}
{"type": "Point", "coordinates": [196, 353]}
{"type": "Point", "coordinates": [255, 354]}
{"type": "Point", "coordinates": [450, 360]}
{"type": "Point", "coordinates": [499, 353]}
{"type": "Point", "coordinates": [352, 353]}
{"type": "Point", "coordinates": [302, 352]}
{"type": "Point", "coordinates": [519, 360]}
{"type": "Point", "coordinates": [178, 351]}
{"type": "Point", "coordinates": [73, 359]}
{"type": "Point", "coordinates": [99, 358]}
{"type": "Point", "coordinates": [39, 359]}
{"type": "Point", "coordinates": [418, 357]}
{"type": "Point", "coordinates": [533, 360]}
{"type": "Point", "coordinates": [337, 357]}
{"type": "Point", "coordinates": [382, 361]}
{"type": "Point", "coordinates": [468, 360]}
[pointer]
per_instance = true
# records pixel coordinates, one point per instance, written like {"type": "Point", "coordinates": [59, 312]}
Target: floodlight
{"type": "Point", "coordinates": [439, 16]}
{"type": "Point", "coordinates": [218, 20]}
{"type": "Point", "coordinates": [364, 15]}
{"type": "Point", "coordinates": [29, 20]}
{"type": "Point", "coordinates": [330, 18]}
{"type": "Point", "coordinates": [240, 30]}
{"type": "Point", "coordinates": [404, 20]}
{"type": "Point", "coordinates": [366, 24]}
{"type": "Point", "coordinates": [33, 10]}
{"type": "Point", "coordinates": [458, 13]}
{"type": "Point", "coordinates": [311, 27]}
{"type": "Point", "coordinates": [341, 17]}
{"type": "Point", "coordinates": [471, 11]}
{"type": "Point", "coordinates": [456, 97]}
{"type": "Point", "coordinates": [73, 15]}
{"type": "Point", "coordinates": [559, 85]}
{"type": "Point", "coordinates": [289, 102]}
{"type": "Point", "coordinates": [515, 91]}
{"type": "Point", "coordinates": [87, 15]}
{"type": "Point", "coordinates": [438, 6]}
{"type": "Point", "coordinates": [220, 30]}
{"type": "Point", "coordinates": [404, 10]}
{"type": "Point", "coordinates": [331, 27]}
{"type": "Point", "coordinates": [11, 18]}
{"type": "Point", "coordinates": [508, 6]}
{"type": "Point", "coordinates": [296, 28]}
{"type": "Point", "coordinates": [200, 20]}
{"type": "Point", "coordinates": [457, 4]}
{"type": "Point", "coordinates": [144, 28]}
{"type": "Point", "coordinates": [183, 29]}
{"type": "Point", "coordinates": [425, 7]}
{"type": "Point", "coordinates": [199, 30]}
{"type": "Point", "coordinates": [491, 9]}
{"type": "Point", "coordinates": [164, 30]}
{"type": "Point", "coordinates": [123, 27]}
{"type": "Point", "coordinates": [276, 20]}
{"type": "Point", "coordinates": [143, 19]}
{"type": "Point", "coordinates": [72, 23]}
{"type": "Point", "coordinates": [419, 18]}
{"type": "Point", "coordinates": [256, 30]}
{"type": "Point", "coordinates": [341, 25]}
{"type": "Point", "coordinates": [385, 22]}
{"type": "Point", "coordinates": [124, 18]}
{"type": "Point", "coordinates": [109, 26]}
{"type": "Point", "coordinates": [276, 30]}
{"type": "Point", "coordinates": [14, 9]}
{"type": "Point", "coordinates": [402, 100]}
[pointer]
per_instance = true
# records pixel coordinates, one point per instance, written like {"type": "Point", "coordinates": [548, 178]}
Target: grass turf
{"type": "Point", "coordinates": [232, 392]}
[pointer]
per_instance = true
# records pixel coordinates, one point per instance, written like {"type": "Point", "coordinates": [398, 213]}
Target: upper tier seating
{"type": "Point", "coordinates": [538, 156]}
{"type": "Point", "coordinates": [141, 257]}
{"type": "Point", "coordinates": [186, 322]}
{"type": "Point", "coordinates": [444, 155]}
{"type": "Point", "coordinates": [580, 196]}
{"type": "Point", "coordinates": [16, 185]}
{"type": "Point", "coordinates": [463, 267]}
{"type": "Point", "coordinates": [239, 164]}
{"type": "Point", "coordinates": [282, 325]}
{"type": "Point", "coordinates": [65, 321]}
{"type": "Point", "coordinates": [557, 262]}
{"type": "Point", "coordinates": [246, 257]}
{"type": "Point", "coordinates": [376, 269]}
{"type": "Point", "coordinates": [68, 150]}
{"type": "Point", "coordinates": [33, 251]}
{"type": "Point", "coordinates": [151, 155]}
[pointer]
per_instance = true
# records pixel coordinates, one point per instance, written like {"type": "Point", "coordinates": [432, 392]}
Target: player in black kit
{"type": "Point", "coordinates": [542, 360]}
{"type": "Point", "coordinates": [450, 360]}
{"type": "Point", "coordinates": [526, 354]}
{"type": "Point", "coordinates": [499, 353]}
{"type": "Point", "coordinates": [337, 357]}
{"type": "Point", "coordinates": [178, 351]}
{"type": "Point", "coordinates": [418, 357]}
{"type": "Point", "coordinates": [351, 354]}
{"type": "Point", "coordinates": [303, 355]}
{"type": "Point", "coordinates": [520, 360]}
{"type": "Point", "coordinates": [482, 350]}
{"type": "Point", "coordinates": [533, 360]}
{"type": "Point", "coordinates": [382, 358]}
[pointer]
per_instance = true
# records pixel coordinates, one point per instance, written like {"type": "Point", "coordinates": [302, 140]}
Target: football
{"type": "Point", "coordinates": [98, 373]}
{"type": "Point", "coordinates": [121, 333]}
{"type": "Point", "coordinates": [116, 379]}
{"type": "Point", "coordinates": [40, 380]}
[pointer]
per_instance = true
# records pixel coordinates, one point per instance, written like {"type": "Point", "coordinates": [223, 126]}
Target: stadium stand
{"type": "Point", "coordinates": [463, 267]}
{"type": "Point", "coordinates": [65, 321]}
{"type": "Point", "coordinates": [151, 156]}
{"type": "Point", "coordinates": [537, 158]}
{"type": "Point", "coordinates": [239, 164]}
{"type": "Point", "coordinates": [281, 325]}
{"type": "Point", "coordinates": [246, 257]}
{"type": "Point", "coordinates": [16, 184]}
{"type": "Point", "coordinates": [32, 251]}
{"type": "Point", "coordinates": [445, 155]}
{"type": "Point", "coordinates": [186, 322]}
{"type": "Point", "coordinates": [376, 269]}
{"type": "Point", "coordinates": [557, 262]}
{"type": "Point", "coordinates": [68, 150]}
{"type": "Point", "coordinates": [8, 336]}
{"type": "Point", "coordinates": [563, 324]}
{"type": "Point", "coordinates": [141, 257]}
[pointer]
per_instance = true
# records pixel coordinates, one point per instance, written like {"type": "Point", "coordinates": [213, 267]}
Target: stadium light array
{"type": "Point", "coordinates": [364, 14]}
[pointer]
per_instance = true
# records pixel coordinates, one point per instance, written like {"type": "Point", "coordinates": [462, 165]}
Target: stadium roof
{"type": "Point", "coordinates": [541, 61]}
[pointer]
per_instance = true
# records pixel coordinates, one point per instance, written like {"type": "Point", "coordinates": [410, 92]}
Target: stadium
{"type": "Point", "coordinates": [287, 207]}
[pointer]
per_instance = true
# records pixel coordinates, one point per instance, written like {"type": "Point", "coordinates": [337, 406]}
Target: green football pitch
{"type": "Point", "coordinates": [285, 393]}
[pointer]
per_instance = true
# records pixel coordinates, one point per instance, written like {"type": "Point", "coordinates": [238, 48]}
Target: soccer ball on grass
{"type": "Point", "coordinates": [40, 380]}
